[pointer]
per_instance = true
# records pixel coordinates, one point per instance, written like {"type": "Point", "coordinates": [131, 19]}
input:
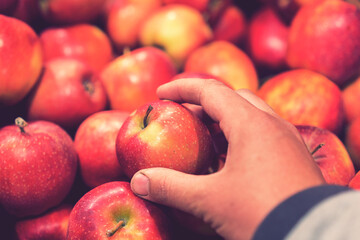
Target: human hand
{"type": "Point", "coordinates": [266, 162]}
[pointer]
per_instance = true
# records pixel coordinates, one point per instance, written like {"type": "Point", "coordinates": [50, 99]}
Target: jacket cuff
{"type": "Point", "coordinates": [283, 218]}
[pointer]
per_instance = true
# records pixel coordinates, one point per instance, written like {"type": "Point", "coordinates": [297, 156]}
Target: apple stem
{"type": "Point", "coordinates": [317, 148]}
{"type": "Point", "coordinates": [119, 225]}
{"type": "Point", "coordinates": [21, 123]}
{"type": "Point", "coordinates": [146, 118]}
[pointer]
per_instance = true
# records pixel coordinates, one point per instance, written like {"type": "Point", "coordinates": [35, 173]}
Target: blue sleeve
{"type": "Point", "coordinates": [284, 218]}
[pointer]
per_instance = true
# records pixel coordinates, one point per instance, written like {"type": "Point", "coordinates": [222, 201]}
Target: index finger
{"type": "Point", "coordinates": [220, 102]}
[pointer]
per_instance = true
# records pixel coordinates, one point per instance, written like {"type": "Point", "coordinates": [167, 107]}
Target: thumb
{"type": "Point", "coordinates": [171, 188]}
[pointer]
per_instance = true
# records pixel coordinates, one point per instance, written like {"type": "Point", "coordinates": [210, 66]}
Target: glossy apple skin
{"type": "Point", "coordinates": [351, 96]}
{"type": "Point", "coordinates": [38, 167]}
{"type": "Point", "coordinates": [131, 79]}
{"type": "Point", "coordinates": [70, 11]}
{"type": "Point", "coordinates": [50, 226]}
{"type": "Point", "coordinates": [324, 37]}
{"type": "Point", "coordinates": [173, 22]}
{"type": "Point", "coordinates": [304, 97]}
{"type": "Point", "coordinates": [226, 61]}
{"type": "Point", "coordinates": [68, 92]}
{"type": "Point", "coordinates": [332, 158]}
{"type": "Point", "coordinates": [103, 207]}
{"type": "Point", "coordinates": [84, 42]}
{"type": "Point", "coordinates": [20, 60]}
{"type": "Point", "coordinates": [99, 164]}
{"type": "Point", "coordinates": [174, 138]}
{"type": "Point", "coordinates": [231, 26]}
{"type": "Point", "coordinates": [352, 141]}
{"type": "Point", "coordinates": [267, 40]}
{"type": "Point", "coordinates": [125, 20]}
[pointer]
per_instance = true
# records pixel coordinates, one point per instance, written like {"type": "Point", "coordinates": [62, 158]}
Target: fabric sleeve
{"type": "Point", "coordinates": [306, 215]}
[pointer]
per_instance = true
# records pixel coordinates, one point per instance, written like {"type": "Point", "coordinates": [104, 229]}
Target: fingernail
{"type": "Point", "coordinates": [140, 184]}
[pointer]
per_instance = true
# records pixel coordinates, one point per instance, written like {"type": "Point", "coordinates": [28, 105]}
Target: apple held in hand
{"type": "Point", "coordinates": [329, 153]}
{"type": "Point", "coordinates": [20, 59]}
{"type": "Point", "coordinates": [164, 134]}
{"type": "Point", "coordinates": [304, 97]}
{"type": "Point", "coordinates": [95, 144]}
{"type": "Point", "coordinates": [38, 164]}
{"type": "Point", "coordinates": [112, 211]}
{"type": "Point", "coordinates": [50, 226]}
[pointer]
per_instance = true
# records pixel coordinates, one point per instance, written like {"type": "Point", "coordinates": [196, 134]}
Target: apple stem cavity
{"type": "Point", "coordinates": [112, 231]}
{"type": "Point", "coordinates": [88, 85]}
{"type": "Point", "coordinates": [146, 118]}
{"type": "Point", "coordinates": [21, 123]}
{"type": "Point", "coordinates": [317, 148]}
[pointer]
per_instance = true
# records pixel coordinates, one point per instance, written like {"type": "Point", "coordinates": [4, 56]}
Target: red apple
{"type": "Point", "coordinates": [51, 225]}
{"type": "Point", "coordinates": [355, 182]}
{"type": "Point", "coordinates": [125, 20]}
{"type": "Point", "coordinates": [352, 141]}
{"type": "Point", "coordinates": [70, 11]}
{"type": "Point", "coordinates": [111, 210]}
{"type": "Point", "coordinates": [329, 153]}
{"type": "Point", "coordinates": [351, 96]}
{"type": "Point", "coordinates": [226, 61]}
{"type": "Point", "coordinates": [67, 93]}
{"type": "Point", "coordinates": [131, 79]}
{"type": "Point", "coordinates": [178, 29]}
{"type": "Point", "coordinates": [164, 134]}
{"type": "Point", "coordinates": [83, 42]}
{"type": "Point", "coordinates": [20, 59]}
{"type": "Point", "coordinates": [304, 97]}
{"type": "Point", "coordinates": [267, 40]}
{"type": "Point", "coordinates": [38, 164]}
{"type": "Point", "coordinates": [99, 164]}
{"type": "Point", "coordinates": [231, 25]}
{"type": "Point", "coordinates": [324, 37]}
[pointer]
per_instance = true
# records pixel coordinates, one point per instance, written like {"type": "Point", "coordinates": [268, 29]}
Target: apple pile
{"type": "Point", "coordinates": [79, 114]}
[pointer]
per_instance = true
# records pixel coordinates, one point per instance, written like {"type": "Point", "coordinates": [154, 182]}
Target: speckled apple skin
{"type": "Point", "coordinates": [325, 37]}
{"type": "Point", "coordinates": [332, 158]}
{"type": "Point", "coordinates": [175, 138]}
{"type": "Point", "coordinates": [99, 164]}
{"type": "Point", "coordinates": [103, 207]}
{"type": "Point", "coordinates": [304, 97]}
{"type": "Point", "coordinates": [38, 167]}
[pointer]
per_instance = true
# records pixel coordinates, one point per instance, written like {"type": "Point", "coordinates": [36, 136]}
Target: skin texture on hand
{"type": "Point", "coordinates": [267, 162]}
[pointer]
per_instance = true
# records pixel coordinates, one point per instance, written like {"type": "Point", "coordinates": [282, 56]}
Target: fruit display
{"type": "Point", "coordinates": [79, 112]}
